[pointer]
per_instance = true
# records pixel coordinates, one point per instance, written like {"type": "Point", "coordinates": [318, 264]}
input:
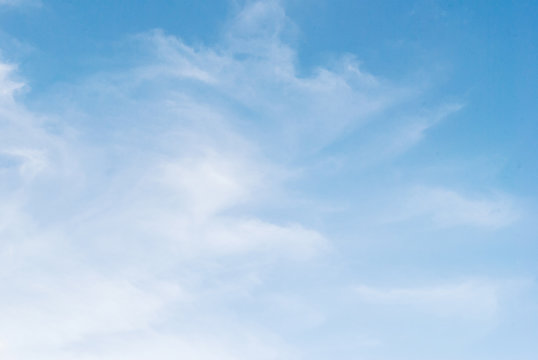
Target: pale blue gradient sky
{"type": "Point", "coordinates": [268, 180]}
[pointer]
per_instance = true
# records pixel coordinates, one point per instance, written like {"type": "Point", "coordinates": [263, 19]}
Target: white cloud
{"type": "Point", "coordinates": [119, 204]}
{"type": "Point", "coordinates": [254, 235]}
{"type": "Point", "coordinates": [56, 312]}
{"type": "Point", "coordinates": [102, 226]}
{"type": "Point", "coordinates": [469, 298]}
{"type": "Point", "coordinates": [414, 129]}
{"type": "Point", "coordinates": [209, 183]}
{"type": "Point", "coordinates": [8, 86]}
{"type": "Point", "coordinates": [449, 208]}
{"type": "Point", "coordinates": [264, 92]}
{"type": "Point", "coordinates": [32, 161]}
{"type": "Point", "coordinates": [388, 139]}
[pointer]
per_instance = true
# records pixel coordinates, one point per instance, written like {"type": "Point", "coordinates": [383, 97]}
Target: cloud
{"type": "Point", "coordinates": [261, 87]}
{"type": "Point", "coordinates": [386, 140]}
{"type": "Point", "coordinates": [109, 203]}
{"type": "Point", "coordinates": [8, 86]}
{"type": "Point", "coordinates": [413, 130]}
{"type": "Point", "coordinates": [134, 200]}
{"type": "Point", "coordinates": [448, 208]}
{"type": "Point", "coordinates": [469, 298]}
{"type": "Point", "coordinates": [56, 313]}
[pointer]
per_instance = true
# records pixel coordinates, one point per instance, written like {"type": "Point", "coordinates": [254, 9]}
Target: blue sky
{"type": "Point", "coordinates": [268, 180]}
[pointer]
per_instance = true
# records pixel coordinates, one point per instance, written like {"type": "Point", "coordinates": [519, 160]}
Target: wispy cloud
{"type": "Point", "coordinates": [8, 86]}
{"type": "Point", "coordinates": [160, 185]}
{"type": "Point", "coordinates": [448, 208]}
{"type": "Point", "coordinates": [389, 139]}
{"type": "Point", "coordinates": [469, 298]}
{"type": "Point", "coordinates": [135, 199]}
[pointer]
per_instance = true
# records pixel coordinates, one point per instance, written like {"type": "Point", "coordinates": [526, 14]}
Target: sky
{"type": "Point", "coordinates": [265, 179]}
